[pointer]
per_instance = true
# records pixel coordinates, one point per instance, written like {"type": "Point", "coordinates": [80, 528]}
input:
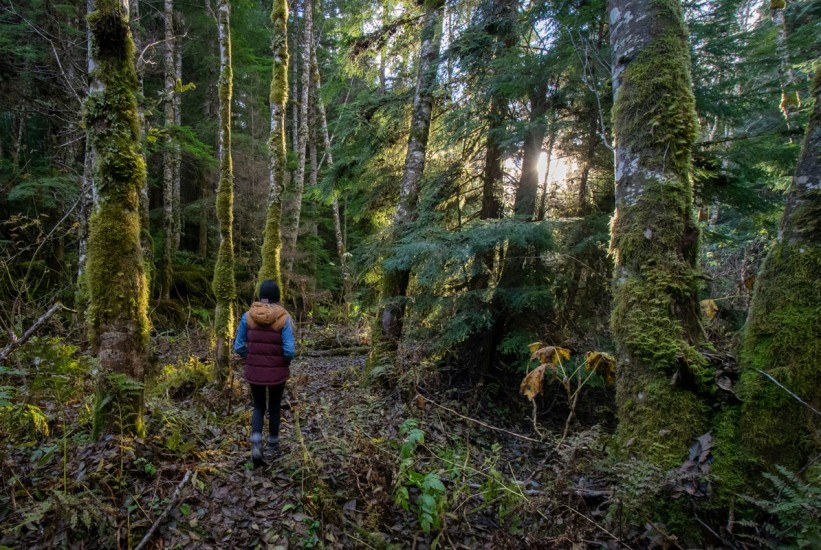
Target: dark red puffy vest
{"type": "Point", "coordinates": [265, 363]}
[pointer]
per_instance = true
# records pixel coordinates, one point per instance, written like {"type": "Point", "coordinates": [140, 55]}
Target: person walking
{"type": "Point", "coordinates": [265, 341]}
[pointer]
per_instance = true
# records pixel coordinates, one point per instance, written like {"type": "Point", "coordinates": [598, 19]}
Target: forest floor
{"type": "Point", "coordinates": [415, 463]}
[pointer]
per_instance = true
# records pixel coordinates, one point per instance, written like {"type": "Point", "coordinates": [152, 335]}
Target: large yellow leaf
{"type": "Point", "coordinates": [603, 363]}
{"type": "Point", "coordinates": [550, 354]}
{"type": "Point", "coordinates": [532, 383]}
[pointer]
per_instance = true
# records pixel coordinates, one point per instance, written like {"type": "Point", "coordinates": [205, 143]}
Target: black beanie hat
{"type": "Point", "coordinates": [269, 291]}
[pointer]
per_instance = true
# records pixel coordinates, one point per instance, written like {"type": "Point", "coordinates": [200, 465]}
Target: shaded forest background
{"type": "Point", "coordinates": [503, 264]}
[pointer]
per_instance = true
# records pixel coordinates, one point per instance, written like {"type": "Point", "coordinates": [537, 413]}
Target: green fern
{"type": "Point", "coordinates": [792, 511]}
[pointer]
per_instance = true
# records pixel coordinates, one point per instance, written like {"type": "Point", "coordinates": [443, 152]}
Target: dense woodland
{"type": "Point", "coordinates": [554, 268]}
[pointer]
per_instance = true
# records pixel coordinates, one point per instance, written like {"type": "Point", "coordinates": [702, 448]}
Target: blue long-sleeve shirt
{"type": "Point", "coordinates": [288, 343]}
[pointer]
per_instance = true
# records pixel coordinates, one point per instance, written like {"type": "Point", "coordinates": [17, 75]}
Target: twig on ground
{"type": "Point", "coordinates": [17, 342]}
{"type": "Point", "coordinates": [165, 512]}
{"type": "Point", "coordinates": [460, 415]}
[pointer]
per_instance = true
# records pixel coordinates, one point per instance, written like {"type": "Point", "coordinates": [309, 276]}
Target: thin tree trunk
{"type": "Point", "coordinates": [272, 239]}
{"type": "Point", "coordinates": [118, 321]}
{"type": "Point", "coordinates": [176, 101]}
{"type": "Point", "coordinates": [205, 196]}
{"type": "Point", "coordinates": [292, 233]}
{"type": "Point", "coordinates": [395, 282]}
{"type": "Point", "coordinates": [166, 265]}
{"type": "Point", "coordinates": [790, 100]}
{"type": "Point", "coordinates": [224, 285]}
{"type": "Point", "coordinates": [654, 238]}
{"type": "Point", "coordinates": [551, 140]}
{"type": "Point", "coordinates": [147, 242]}
{"type": "Point", "coordinates": [347, 281]}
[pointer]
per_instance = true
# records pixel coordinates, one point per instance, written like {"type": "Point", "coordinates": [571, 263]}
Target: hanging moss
{"type": "Point", "coordinates": [115, 278]}
{"type": "Point", "coordinates": [224, 284]}
{"type": "Point", "coordinates": [272, 236]}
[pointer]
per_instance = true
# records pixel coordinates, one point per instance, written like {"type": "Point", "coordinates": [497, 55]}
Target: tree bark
{"type": "Point", "coordinates": [524, 205]}
{"type": "Point", "coordinates": [146, 241]}
{"type": "Point", "coordinates": [176, 102]}
{"type": "Point", "coordinates": [388, 330]}
{"type": "Point", "coordinates": [654, 239]}
{"type": "Point", "coordinates": [224, 285]}
{"type": "Point", "coordinates": [347, 281]}
{"type": "Point", "coordinates": [166, 265]}
{"type": "Point", "coordinates": [790, 100]}
{"type": "Point", "coordinates": [782, 337]}
{"type": "Point", "coordinates": [272, 239]}
{"type": "Point", "coordinates": [118, 321]}
{"type": "Point", "coordinates": [292, 228]}
{"type": "Point", "coordinates": [395, 282]}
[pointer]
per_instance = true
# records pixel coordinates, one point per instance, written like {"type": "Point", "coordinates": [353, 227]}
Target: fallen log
{"type": "Point", "coordinates": [358, 350]}
{"type": "Point", "coordinates": [17, 342]}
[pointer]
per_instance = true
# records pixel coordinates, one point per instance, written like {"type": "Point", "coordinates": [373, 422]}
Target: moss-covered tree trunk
{"type": "Point", "coordinates": [176, 102]}
{"type": "Point", "coordinates": [291, 232]}
{"type": "Point", "coordinates": [118, 323]}
{"type": "Point", "coordinates": [224, 285]}
{"type": "Point", "coordinates": [782, 338]}
{"type": "Point", "coordinates": [166, 265]}
{"type": "Point", "coordinates": [654, 238]}
{"type": "Point", "coordinates": [272, 238]}
{"type": "Point", "coordinates": [385, 337]}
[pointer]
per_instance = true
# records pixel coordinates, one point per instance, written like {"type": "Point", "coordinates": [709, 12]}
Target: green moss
{"type": "Point", "coordinates": [272, 236]}
{"type": "Point", "coordinates": [657, 420]}
{"type": "Point", "coordinates": [733, 465]}
{"type": "Point", "coordinates": [654, 112]}
{"type": "Point", "coordinates": [783, 339]}
{"type": "Point", "coordinates": [115, 277]}
{"type": "Point", "coordinates": [652, 241]}
{"type": "Point", "coordinates": [279, 47]}
{"type": "Point", "coordinates": [778, 4]}
{"type": "Point", "coordinates": [655, 242]}
{"type": "Point", "coordinates": [272, 246]}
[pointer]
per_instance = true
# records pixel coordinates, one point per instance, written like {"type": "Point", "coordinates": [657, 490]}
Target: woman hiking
{"type": "Point", "coordinates": [265, 341]}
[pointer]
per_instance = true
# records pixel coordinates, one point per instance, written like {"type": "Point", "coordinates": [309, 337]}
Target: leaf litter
{"type": "Point", "coordinates": [335, 484]}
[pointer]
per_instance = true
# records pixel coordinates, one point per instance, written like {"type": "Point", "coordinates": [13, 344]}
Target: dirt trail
{"type": "Point", "coordinates": [242, 507]}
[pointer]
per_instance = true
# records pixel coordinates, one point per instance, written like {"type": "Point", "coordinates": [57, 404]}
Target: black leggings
{"type": "Point", "coordinates": [274, 401]}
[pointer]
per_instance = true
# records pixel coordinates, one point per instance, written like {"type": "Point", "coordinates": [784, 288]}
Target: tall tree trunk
{"type": "Point", "coordinates": [524, 205]}
{"type": "Point", "coordinates": [146, 241]}
{"type": "Point", "coordinates": [292, 228]}
{"type": "Point", "coordinates": [551, 140]}
{"type": "Point", "coordinates": [347, 281]}
{"type": "Point", "coordinates": [176, 102]}
{"type": "Point", "coordinates": [118, 321]}
{"type": "Point", "coordinates": [654, 237]}
{"type": "Point", "coordinates": [166, 265]}
{"type": "Point", "coordinates": [224, 285]}
{"type": "Point", "coordinates": [272, 243]}
{"type": "Point", "coordinates": [790, 100]}
{"type": "Point", "coordinates": [395, 282]}
{"type": "Point", "coordinates": [782, 337]}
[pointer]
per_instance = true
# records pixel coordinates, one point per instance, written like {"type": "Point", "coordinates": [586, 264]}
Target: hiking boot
{"type": "Point", "coordinates": [273, 445]}
{"type": "Point", "coordinates": [256, 449]}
